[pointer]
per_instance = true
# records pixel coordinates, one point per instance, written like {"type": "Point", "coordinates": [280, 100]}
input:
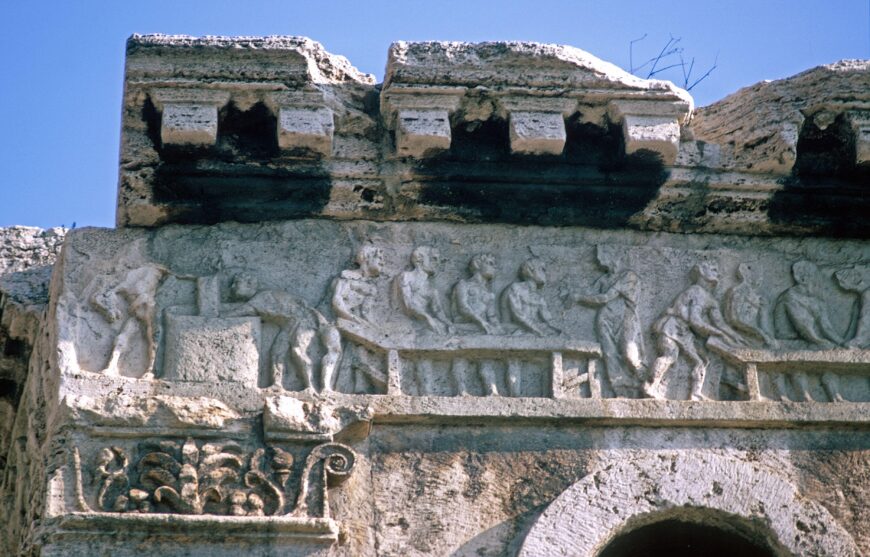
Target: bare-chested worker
{"type": "Point", "coordinates": [298, 326]}
{"type": "Point", "coordinates": [416, 294]}
{"type": "Point", "coordinates": [473, 298]}
{"type": "Point", "coordinates": [523, 304]}
{"type": "Point", "coordinates": [138, 289]}
{"type": "Point", "coordinates": [693, 316]}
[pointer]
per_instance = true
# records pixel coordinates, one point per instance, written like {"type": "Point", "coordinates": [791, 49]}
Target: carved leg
{"type": "Point", "coordinates": [459, 371]}
{"type": "Point", "coordinates": [424, 378]}
{"type": "Point", "coordinates": [487, 378]}
{"type": "Point", "coordinates": [122, 343]}
{"type": "Point", "coordinates": [278, 356]}
{"type": "Point", "coordinates": [331, 339]}
{"type": "Point", "coordinates": [831, 384]}
{"type": "Point", "coordinates": [781, 387]}
{"type": "Point", "coordinates": [803, 386]}
{"type": "Point", "coordinates": [668, 354]}
{"type": "Point", "coordinates": [302, 339]}
{"type": "Point", "coordinates": [513, 378]}
{"type": "Point", "coordinates": [699, 371]}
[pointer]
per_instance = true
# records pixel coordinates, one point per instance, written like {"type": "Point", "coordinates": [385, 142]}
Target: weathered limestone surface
{"type": "Point", "coordinates": [512, 301]}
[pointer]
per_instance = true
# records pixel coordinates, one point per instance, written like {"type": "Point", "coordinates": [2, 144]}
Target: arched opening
{"type": "Point", "coordinates": [677, 538]}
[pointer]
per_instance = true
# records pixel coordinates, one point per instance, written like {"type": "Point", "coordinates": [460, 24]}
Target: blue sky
{"type": "Point", "coordinates": [62, 63]}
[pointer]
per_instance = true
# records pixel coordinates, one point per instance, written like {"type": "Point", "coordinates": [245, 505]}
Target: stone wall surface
{"type": "Point", "coordinates": [511, 301]}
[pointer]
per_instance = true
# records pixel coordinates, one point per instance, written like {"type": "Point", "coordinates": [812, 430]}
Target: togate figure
{"type": "Point", "coordinates": [473, 298]}
{"type": "Point", "coordinates": [617, 323]}
{"type": "Point", "coordinates": [298, 326]}
{"type": "Point", "coordinates": [522, 303]}
{"type": "Point", "coordinates": [692, 320]}
{"type": "Point", "coordinates": [415, 292]}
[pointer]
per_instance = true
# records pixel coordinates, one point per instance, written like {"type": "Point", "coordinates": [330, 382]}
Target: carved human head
{"type": "Point", "coordinates": [851, 280]}
{"type": "Point", "coordinates": [607, 257]}
{"type": "Point", "coordinates": [707, 271]}
{"type": "Point", "coordinates": [745, 273]}
{"type": "Point", "coordinates": [483, 263]}
{"type": "Point", "coordinates": [371, 260]}
{"type": "Point", "coordinates": [805, 273]}
{"type": "Point", "coordinates": [425, 259]}
{"type": "Point", "coordinates": [534, 270]}
{"type": "Point", "coordinates": [244, 286]}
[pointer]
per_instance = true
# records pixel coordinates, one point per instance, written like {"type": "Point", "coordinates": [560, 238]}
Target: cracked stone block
{"type": "Point", "coordinates": [659, 134]}
{"type": "Point", "coordinates": [422, 132]}
{"type": "Point", "coordinates": [209, 349]}
{"type": "Point", "coordinates": [189, 124]}
{"type": "Point", "coordinates": [306, 128]}
{"type": "Point", "coordinates": [537, 133]}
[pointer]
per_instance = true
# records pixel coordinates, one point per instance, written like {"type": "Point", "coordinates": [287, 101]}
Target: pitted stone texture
{"type": "Point", "coordinates": [631, 492]}
{"type": "Point", "coordinates": [422, 132]}
{"type": "Point", "coordinates": [537, 133]}
{"type": "Point", "coordinates": [209, 349]}
{"type": "Point", "coordinates": [763, 121]}
{"type": "Point", "coordinates": [306, 128]}
{"type": "Point", "coordinates": [189, 124]}
{"type": "Point", "coordinates": [276, 58]}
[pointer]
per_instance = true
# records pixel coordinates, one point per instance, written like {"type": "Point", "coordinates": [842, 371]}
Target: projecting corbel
{"type": "Point", "coordinates": [650, 126]}
{"type": "Point", "coordinates": [189, 116]}
{"type": "Point", "coordinates": [304, 121]}
{"type": "Point", "coordinates": [537, 124]}
{"type": "Point", "coordinates": [860, 123]}
{"type": "Point", "coordinates": [421, 120]}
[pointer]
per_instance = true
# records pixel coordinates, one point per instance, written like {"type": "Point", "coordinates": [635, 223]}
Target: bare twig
{"type": "Point", "coordinates": [706, 74]}
{"type": "Point", "coordinates": [631, 53]}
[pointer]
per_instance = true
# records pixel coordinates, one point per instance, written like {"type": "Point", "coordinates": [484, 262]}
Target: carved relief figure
{"type": "Point", "coordinates": [298, 326]}
{"type": "Point", "coordinates": [416, 294]}
{"type": "Point", "coordinates": [853, 280]}
{"type": "Point", "coordinates": [802, 313]}
{"type": "Point", "coordinates": [524, 305]}
{"type": "Point", "coordinates": [473, 298]}
{"type": "Point", "coordinates": [693, 319]}
{"type": "Point", "coordinates": [745, 310]}
{"type": "Point", "coordinates": [354, 295]}
{"type": "Point", "coordinates": [138, 291]}
{"type": "Point", "coordinates": [617, 323]}
{"type": "Point", "coordinates": [354, 292]}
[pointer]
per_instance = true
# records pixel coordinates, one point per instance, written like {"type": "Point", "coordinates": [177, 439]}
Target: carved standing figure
{"type": "Point", "coordinates": [523, 304]}
{"type": "Point", "coordinates": [416, 294]}
{"type": "Point", "coordinates": [473, 298]}
{"type": "Point", "coordinates": [693, 317]}
{"type": "Point", "coordinates": [853, 280]}
{"type": "Point", "coordinates": [354, 294]}
{"type": "Point", "coordinates": [298, 326]}
{"type": "Point", "coordinates": [746, 311]}
{"type": "Point", "coordinates": [617, 323]}
{"type": "Point", "coordinates": [138, 290]}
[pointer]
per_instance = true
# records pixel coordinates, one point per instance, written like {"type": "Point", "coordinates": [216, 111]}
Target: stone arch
{"type": "Point", "coordinates": [627, 493]}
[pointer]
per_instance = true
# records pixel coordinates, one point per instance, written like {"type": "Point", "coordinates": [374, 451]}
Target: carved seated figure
{"type": "Point", "coordinates": [801, 313]}
{"type": "Point", "coordinates": [298, 326]}
{"type": "Point", "coordinates": [523, 304]}
{"type": "Point", "coordinates": [746, 310]}
{"type": "Point", "coordinates": [473, 298]}
{"type": "Point", "coordinates": [853, 280]}
{"type": "Point", "coordinates": [415, 292]}
{"type": "Point", "coordinates": [354, 294]}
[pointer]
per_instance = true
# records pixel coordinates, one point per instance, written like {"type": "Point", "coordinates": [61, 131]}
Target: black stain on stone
{"type": "Point", "coordinates": [826, 191]}
{"type": "Point", "coordinates": [592, 183]}
{"type": "Point", "coordinates": [244, 177]}
{"type": "Point", "coordinates": [213, 192]}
